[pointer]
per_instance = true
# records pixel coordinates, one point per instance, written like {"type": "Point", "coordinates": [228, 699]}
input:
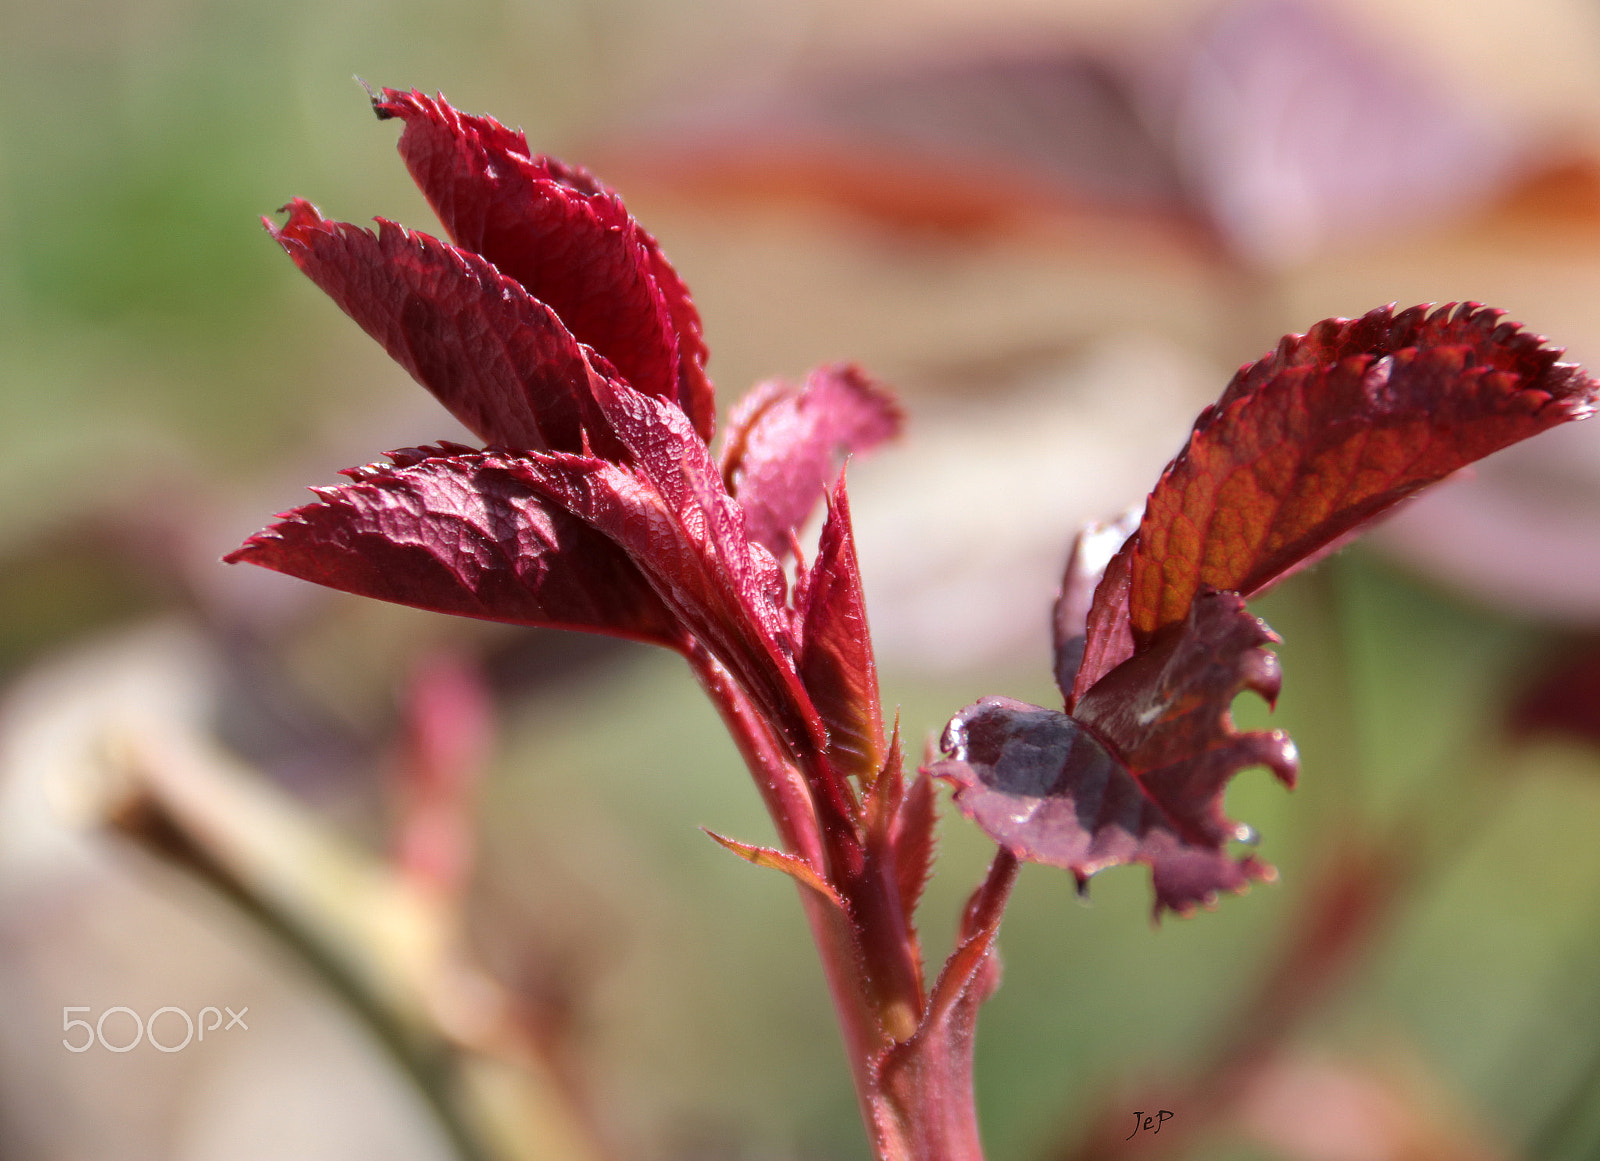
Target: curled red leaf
{"type": "Point", "coordinates": [1094, 548]}
{"type": "Point", "coordinates": [1138, 772]}
{"type": "Point", "coordinates": [455, 531]}
{"type": "Point", "coordinates": [784, 443]}
{"type": "Point", "coordinates": [566, 238]}
{"type": "Point", "coordinates": [1303, 448]}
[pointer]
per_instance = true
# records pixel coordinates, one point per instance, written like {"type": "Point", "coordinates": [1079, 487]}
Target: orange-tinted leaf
{"type": "Point", "coordinates": [791, 865]}
{"type": "Point", "coordinates": [455, 531]}
{"type": "Point", "coordinates": [784, 443]}
{"type": "Point", "coordinates": [1138, 773]}
{"type": "Point", "coordinates": [1327, 432]}
{"type": "Point", "coordinates": [566, 238]}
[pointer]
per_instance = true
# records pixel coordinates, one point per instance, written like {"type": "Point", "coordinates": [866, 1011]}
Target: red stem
{"type": "Point", "coordinates": [869, 949]}
{"type": "Point", "coordinates": [927, 1107]}
{"type": "Point", "coordinates": [794, 815]}
{"type": "Point", "coordinates": [782, 788]}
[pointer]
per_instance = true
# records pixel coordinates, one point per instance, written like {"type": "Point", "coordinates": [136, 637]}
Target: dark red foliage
{"type": "Point", "coordinates": [1304, 447]}
{"type": "Point", "coordinates": [668, 512]}
{"type": "Point", "coordinates": [455, 531]}
{"type": "Point", "coordinates": [836, 661]}
{"type": "Point", "coordinates": [557, 331]}
{"type": "Point", "coordinates": [566, 238]}
{"type": "Point", "coordinates": [500, 360]}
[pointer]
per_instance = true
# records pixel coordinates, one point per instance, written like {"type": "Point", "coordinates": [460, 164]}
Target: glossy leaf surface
{"type": "Point", "coordinates": [668, 512]}
{"type": "Point", "coordinates": [1303, 448]}
{"type": "Point", "coordinates": [1138, 773]}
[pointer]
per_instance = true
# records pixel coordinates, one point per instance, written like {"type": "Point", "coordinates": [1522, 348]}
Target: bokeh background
{"type": "Point", "coordinates": [1055, 228]}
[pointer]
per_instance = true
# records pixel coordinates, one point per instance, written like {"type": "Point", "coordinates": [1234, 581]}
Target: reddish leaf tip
{"type": "Point", "coordinates": [389, 103]}
{"type": "Point", "coordinates": [303, 217]}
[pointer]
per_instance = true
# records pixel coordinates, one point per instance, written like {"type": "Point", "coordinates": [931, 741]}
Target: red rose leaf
{"type": "Point", "coordinates": [1138, 773]}
{"type": "Point", "coordinates": [784, 443]}
{"type": "Point", "coordinates": [566, 238]}
{"type": "Point", "coordinates": [836, 661]}
{"type": "Point", "coordinates": [455, 531]}
{"type": "Point", "coordinates": [1327, 432]}
{"type": "Point", "coordinates": [500, 361]}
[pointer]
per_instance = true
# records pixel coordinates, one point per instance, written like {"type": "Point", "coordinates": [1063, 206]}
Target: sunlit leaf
{"type": "Point", "coordinates": [668, 512]}
{"type": "Point", "coordinates": [792, 865]}
{"type": "Point", "coordinates": [455, 531]}
{"type": "Point", "coordinates": [566, 238]}
{"type": "Point", "coordinates": [502, 362]}
{"type": "Point", "coordinates": [784, 443]}
{"type": "Point", "coordinates": [1329, 431]}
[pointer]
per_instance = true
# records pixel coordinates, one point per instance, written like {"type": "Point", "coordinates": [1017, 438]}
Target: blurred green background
{"type": "Point", "coordinates": [167, 381]}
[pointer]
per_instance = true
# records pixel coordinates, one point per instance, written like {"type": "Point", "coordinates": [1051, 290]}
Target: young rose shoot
{"type": "Point", "coordinates": [553, 327]}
